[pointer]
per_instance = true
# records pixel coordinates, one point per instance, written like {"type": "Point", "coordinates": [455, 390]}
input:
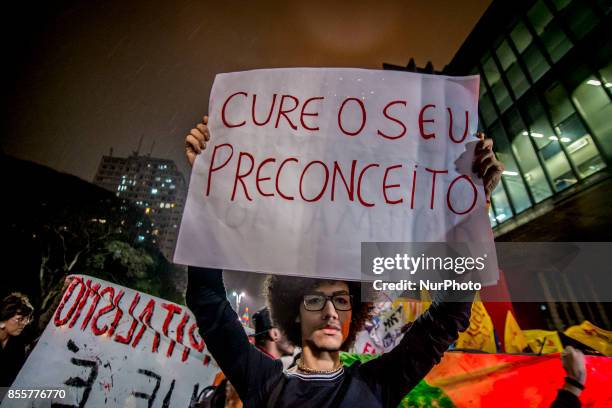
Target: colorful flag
{"type": "Point", "coordinates": [412, 308]}
{"type": "Point", "coordinates": [480, 335]}
{"type": "Point", "coordinates": [501, 380]}
{"type": "Point", "coordinates": [591, 335]}
{"type": "Point", "coordinates": [498, 380]}
{"type": "Point", "coordinates": [514, 340]}
{"type": "Point", "coordinates": [543, 341]}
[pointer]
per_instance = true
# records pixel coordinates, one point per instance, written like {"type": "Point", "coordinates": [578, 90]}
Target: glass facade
{"type": "Point", "coordinates": [545, 104]}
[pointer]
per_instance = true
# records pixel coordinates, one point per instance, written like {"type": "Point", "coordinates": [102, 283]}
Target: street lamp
{"type": "Point", "coordinates": [238, 298]}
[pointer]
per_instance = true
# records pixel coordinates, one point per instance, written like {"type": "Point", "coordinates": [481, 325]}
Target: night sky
{"type": "Point", "coordinates": [82, 77]}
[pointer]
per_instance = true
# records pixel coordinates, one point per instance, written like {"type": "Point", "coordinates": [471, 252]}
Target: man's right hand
{"type": "Point", "coordinates": [574, 364]}
{"type": "Point", "coordinates": [195, 141]}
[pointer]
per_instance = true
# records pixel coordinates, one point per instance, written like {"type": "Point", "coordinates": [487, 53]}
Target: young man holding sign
{"type": "Point", "coordinates": [322, 316]}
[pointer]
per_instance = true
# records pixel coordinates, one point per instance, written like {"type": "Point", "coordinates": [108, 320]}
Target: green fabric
{"type": "Point", "coordinates": [424, 395]}
{"type": "Point", "coordinates": [421, 396]}
{"type": "Point", "coordinates": [348, 359]}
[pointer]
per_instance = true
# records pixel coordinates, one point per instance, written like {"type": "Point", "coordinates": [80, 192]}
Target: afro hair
{"type": "Point", "coordinates": [284, 295]}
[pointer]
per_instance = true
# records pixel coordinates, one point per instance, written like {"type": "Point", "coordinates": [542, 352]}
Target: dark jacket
{"type": "Point", "coordinates": [12, 358]}
{"type": "Point", "coordinates": [261, 382]}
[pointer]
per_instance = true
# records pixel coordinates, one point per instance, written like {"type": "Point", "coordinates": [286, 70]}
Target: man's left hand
{"type": "Point", "coordinates": [486, 165]}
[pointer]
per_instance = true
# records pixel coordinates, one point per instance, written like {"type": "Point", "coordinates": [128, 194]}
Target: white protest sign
{"type": "Point", "coordinates": [108, 345]}
{"type": "Point", "coordinates": [382, 332]}
{"type": "Point", "coordinates": [305, 164]}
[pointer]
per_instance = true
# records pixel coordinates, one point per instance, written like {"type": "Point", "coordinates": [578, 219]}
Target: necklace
{"type": "Point", "coordinates": [309, 370]}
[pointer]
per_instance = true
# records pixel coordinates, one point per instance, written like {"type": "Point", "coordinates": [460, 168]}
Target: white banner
{"type": "Point", "coordinates": [108, 345]}
{"type": "Point", "coordinates": [305, 164]}
{"type": "Point", "coordinates": [383, 331]}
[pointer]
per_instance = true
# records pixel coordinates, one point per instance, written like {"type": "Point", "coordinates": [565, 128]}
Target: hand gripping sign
{"type": "Point", "coordinates": [305, 164]}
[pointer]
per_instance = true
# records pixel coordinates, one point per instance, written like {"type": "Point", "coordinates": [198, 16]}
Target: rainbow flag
{"type": "Point", "coordinates": [502, 380]}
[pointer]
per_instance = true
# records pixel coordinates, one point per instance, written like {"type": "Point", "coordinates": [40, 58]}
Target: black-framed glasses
{"type": "Point", "coordinates": [23, 320]}
{"type": "Point", "coordinates": [316, 302]}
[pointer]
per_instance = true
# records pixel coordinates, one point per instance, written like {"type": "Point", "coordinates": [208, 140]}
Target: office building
{"type": "Point", "coordinates": [545, 99]}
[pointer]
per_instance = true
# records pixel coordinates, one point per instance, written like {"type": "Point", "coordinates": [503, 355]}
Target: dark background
{"type": "Point", "coordinates": [85, 76]}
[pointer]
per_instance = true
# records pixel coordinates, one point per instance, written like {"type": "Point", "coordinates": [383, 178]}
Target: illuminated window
{"type": "Point", "coordinates": [486, 109]}
{"type": "Point", "coordinates": [523, 150]}
{"type": "Point", "coordinates": [556, 42]}
{"type": "Point", "coordinates": [517, 80]}
{"type": "Point", "coordinates": [514, 182]}
{"type": "Point", "coordinates": [536, 64]}
{"type": "Point", "coordinates": [539, 15]}
{"type": "Point", "coordinates": [578, 142]}
{"type": "Point", "coordinates": [521, 37]}
{"type": "Point", "coordinates": [492, 217]}
{"type": "Point", "coordinates": [503, 212]}
{"type": "Point", "coordinates": [533, 173]}
{"type": "Point", "coordinates": [502, 97]}
{"type": "Point", "coordinates": [594, 104]}
{"type": "Point", "coordinates": [548, 144]}
{"type": "Point", "coordinates": [515, 75]}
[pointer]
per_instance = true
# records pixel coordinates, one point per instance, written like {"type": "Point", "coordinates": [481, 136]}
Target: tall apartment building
{"type": "Point", "coordinates": [153, 184]}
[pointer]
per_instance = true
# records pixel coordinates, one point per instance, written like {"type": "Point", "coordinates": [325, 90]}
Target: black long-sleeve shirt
{"type": "Point", "coordinates": [261, 381]}
{"type": "Point", "coordinates": [566, 399]}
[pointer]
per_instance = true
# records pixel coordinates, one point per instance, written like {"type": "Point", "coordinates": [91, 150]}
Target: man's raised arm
{"type": "Point", "coordinates": [425, 342]}
{"type": "Point", "coordinates": [422, 347]}
{"type": "Point", "coordinates": [218, 323]}
{"type": "Point", "coordinates": [244, 365]}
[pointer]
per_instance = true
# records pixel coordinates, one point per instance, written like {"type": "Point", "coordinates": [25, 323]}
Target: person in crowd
{"type": "Point", "coordinates": [270, 339]}
{"type": "Point", "coordinates": [323, 316]}
{"type": "Point", "coordinates": [15, 314]}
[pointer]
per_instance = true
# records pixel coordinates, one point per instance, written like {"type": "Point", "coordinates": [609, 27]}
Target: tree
{"type": "Point", "coordinates": [59, 225]}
